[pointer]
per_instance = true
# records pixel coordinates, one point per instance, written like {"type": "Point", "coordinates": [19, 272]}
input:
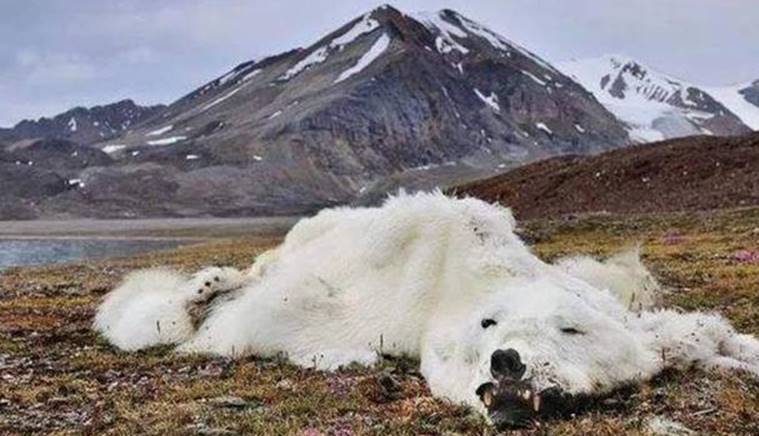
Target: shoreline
{"type": "Point", "coordinates": [102, 238]}
{"type": "Point", "coordinates": [50, 243]}
{"type": "Point", "coordinates": [147, 229]}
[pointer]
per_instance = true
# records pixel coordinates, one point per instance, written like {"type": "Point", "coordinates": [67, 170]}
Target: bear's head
{"type": "Point", "coordinates": [535, 348]}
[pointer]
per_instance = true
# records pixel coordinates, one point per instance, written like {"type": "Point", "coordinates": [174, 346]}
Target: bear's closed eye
{"type": "Point", "coordinates": [487, 322]}
{"type": "Point", "coordinates": [572, 331]}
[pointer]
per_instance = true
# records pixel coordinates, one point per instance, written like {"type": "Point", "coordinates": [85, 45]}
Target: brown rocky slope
{"type": "Point", "coordinates": [694, 173]}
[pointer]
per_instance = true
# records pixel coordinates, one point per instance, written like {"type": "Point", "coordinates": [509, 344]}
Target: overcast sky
{"type": "Point", "coordinates": [56, 54]}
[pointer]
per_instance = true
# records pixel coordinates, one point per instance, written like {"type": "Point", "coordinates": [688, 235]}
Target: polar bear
{"type": "Point", "coordinates": [449, 282]}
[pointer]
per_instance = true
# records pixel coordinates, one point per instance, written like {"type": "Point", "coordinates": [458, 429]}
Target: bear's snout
{"type": "Point", "coordinates": [507, 364]}
{"type": "Point", "coordinates": [510, 401]}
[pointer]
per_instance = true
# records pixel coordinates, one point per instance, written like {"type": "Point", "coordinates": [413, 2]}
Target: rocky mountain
{"type": "Point", "coordinates": [386, 94]}
{"type": "Point", "coordinates": [656, 106]}
{"type": "Point", "coordinates": [45, 170]}
{"type": "Point", "coordinates": [82, 125]}
{"type": "Point", "coordinates": [683, 174]}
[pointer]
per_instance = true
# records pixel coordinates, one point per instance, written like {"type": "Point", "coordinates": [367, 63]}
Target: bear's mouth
{"type": "Point", "coordinates": [510, 398]}
{"type": "Point", "coordinates": [515, 403]}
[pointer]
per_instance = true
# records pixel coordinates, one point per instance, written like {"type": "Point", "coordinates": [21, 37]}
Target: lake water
{"type": "Point", "coordinates": [14, 252]}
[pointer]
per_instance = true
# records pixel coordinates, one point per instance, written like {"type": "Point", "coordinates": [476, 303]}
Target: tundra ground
{"type": "Point", "coordinates": [57, 376]}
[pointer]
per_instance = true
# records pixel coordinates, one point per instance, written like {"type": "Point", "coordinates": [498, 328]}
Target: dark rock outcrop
{"type": "Point", "coordinates": [751, 93]}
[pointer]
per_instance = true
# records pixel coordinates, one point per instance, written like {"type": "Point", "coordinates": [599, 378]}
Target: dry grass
{"type": "Point", "coordinates": [56, 376]}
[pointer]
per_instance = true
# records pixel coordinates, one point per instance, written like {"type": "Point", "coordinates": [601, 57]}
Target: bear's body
{"type": "Point", "coordinates": [351, 283]}
{"type": "Point", "coordinates": [449, 282]}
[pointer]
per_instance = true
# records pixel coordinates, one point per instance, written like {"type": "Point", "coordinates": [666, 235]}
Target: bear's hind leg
{"type": "Point", "coordinates": [144, 310]}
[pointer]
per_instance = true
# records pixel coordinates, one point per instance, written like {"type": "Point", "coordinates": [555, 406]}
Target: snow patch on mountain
{"type": "Point", "coordinates": [221, 99]}
{"type": "Point", "coordinates": [227, 77]}
{"type": "Point", "coordinates": [161, 131]}
{"type": "Point", "coordinates": [490, 100]}
{"type": "Point", "coordinates": [370, 56]}
{"type": "Point", "coordinates": [251, 75]}
{"type": "Point", "coordinates": [445, 42]}
{"type": "Point", "coordinates": [736, 102]}
{"type": "Point", "coordinates": [454, 29]}
{"type": "Point", "coordinates": [534, 78]}
{"type": "Point", "coordinates": [365, 25]}
{"type": "Point", "coordinates": [167, 141]}
{"type": "Point", "coordinates": [497, 40]}
{"type": "Point", "coordinates": [113, 148]}
{"type": "Point", "coordinates": [317, 56]}
{"type": "Point", "coordinates": [543, 127]}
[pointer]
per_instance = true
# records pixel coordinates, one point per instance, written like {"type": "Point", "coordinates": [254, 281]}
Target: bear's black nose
{"type": "Point", "coordinates": [506, 363]}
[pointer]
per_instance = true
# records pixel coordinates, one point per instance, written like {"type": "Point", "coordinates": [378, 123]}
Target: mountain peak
{"type": "Point", "coordinates": [384, 9]}
{"type": "Point", "coordinates": [619, 59]}
{"type": "Point", "coordinates": [655, 105]}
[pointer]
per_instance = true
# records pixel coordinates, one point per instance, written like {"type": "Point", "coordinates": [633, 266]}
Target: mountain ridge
{"type": "Point", "coordinates": [81, 124]}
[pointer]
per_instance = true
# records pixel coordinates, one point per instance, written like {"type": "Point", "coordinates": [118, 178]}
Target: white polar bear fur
{"type": "Point", "coordinates": [623, 274]}
{"type": "Point", "coordinates": [150, 307]}
{"type": "Point", "coordinates": [416, 277]}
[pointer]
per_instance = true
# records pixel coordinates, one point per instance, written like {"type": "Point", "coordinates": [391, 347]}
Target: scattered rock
{"type": "Point", "coordinates": [663, 426]}
{"type": "Point", "coordinates": [382, 388]}
{"type": "Point", "coordinates": [284, 384]}
{"type": "Point", "coordinates": [231, 402]}
{"type": "Point", "coordinates": [389, 385]}
{"type": "Point", "coordinates": [203, 429]}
